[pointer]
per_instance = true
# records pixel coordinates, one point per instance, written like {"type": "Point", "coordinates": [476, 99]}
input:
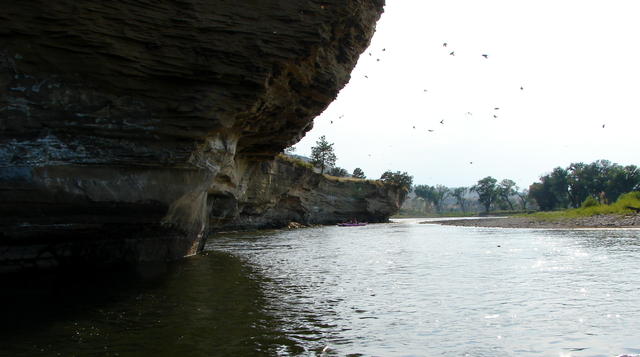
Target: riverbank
{"type": "Point", "coordinates": [598, 221]}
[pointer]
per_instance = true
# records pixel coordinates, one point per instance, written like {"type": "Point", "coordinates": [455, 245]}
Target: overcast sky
{"type": "Point", "coordinates": [578, 63]}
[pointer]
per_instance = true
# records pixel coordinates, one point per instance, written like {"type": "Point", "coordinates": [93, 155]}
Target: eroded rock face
{"type": "Point", "coordinates": [124, 124]}
{"type": "Point", "coordinates": [281, 191]}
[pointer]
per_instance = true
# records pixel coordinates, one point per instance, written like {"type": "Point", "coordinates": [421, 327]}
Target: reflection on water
{"type": "Point", "coordinates": [399, 289]}
{"type": "Point", "coordinates": [425, 290]}
{"type": "Point", "coordinates": [206, 306]}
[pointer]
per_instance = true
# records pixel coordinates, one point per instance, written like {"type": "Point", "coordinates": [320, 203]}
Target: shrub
{"type": "Point", "coordinates": [590, 202]}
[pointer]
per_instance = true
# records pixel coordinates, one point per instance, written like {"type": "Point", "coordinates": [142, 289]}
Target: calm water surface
{"type": "Point", "coordinates": [399, 289]}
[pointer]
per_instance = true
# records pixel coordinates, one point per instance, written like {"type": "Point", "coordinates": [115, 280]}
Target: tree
{"type": "Point", "coordinates": [487, 192]}
{"type": "Point", "coordinates": [506, 189]}
{"type": "Point", "coordinates": [441, 193]}
{"type": "Point", "coordinates": [541, 193]}
{"type": "Point", "coordinates": [401, 179]}
{"type": "Point", "coordinates": [553, 190]}
{"type": "Point", "coordinates": [290, 150]}
{"type": "Point", "coordinates": [433, 194]}
{"type": "Point", "coordinates": [523, 196]}
{"type": "Point", "coordinates": [459, 194]}
{"type": "Point", "coordinates": [338, 172]}
{"type": "Point", "coordinates": [322, 155]}
{"type": "Point", "coordinates": [622, 180]}
{"type": "Point", "coordinates": [424, 191]}
{"type": "Point", "coordinates": [601, 179]}
{"type": "Point", "coordinates": [358, 173]}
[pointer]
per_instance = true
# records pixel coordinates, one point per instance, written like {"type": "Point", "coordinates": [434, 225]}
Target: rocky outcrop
{"type": "Point", "coordinates": [125, 125]}
{"type": "Point", "coordinates": [283, 191]}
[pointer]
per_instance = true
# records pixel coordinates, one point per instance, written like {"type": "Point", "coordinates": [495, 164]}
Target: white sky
{"type": "Point", "coordinates": [578, 62]}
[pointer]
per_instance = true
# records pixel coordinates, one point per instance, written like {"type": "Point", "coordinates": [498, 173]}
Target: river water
{"type": "Point", "coordinates": [398, 289]}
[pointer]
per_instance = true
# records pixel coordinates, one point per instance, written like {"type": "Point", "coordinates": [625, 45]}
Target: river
{"type": "Point", "coordinates": [398, 289]}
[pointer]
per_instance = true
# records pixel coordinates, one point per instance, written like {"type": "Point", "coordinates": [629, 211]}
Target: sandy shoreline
{"type": "Point", "coordinates": [600, 221]}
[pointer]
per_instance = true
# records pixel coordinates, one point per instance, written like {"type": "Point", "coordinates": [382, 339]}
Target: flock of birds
{"type": "Point", "coordinates": [451, 52]}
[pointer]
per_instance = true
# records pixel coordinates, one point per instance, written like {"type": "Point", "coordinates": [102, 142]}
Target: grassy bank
{"type": "Point", "coordinates": [591, 208]}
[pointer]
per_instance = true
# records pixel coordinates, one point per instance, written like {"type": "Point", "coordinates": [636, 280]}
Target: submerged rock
{"type": "Point", "coordinates": [125, 125]}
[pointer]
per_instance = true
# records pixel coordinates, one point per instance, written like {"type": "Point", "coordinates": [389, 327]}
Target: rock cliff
{"type": "Point", "coordinates": [282, 191]}
{"type": "Point", "coordinates": [125, 125]}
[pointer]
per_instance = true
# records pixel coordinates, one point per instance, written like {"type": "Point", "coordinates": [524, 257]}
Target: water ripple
{"type": "Point", "coordinates": [406, 289]}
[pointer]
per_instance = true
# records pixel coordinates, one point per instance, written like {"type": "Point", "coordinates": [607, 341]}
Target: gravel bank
{"type": "Point", "coordinates": [600, 221]}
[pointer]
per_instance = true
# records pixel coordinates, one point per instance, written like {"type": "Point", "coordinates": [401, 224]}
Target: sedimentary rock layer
{"type": "Point", "coordinates": [123, 123]}
{"type": "Point", "coordinates": [283, 191]}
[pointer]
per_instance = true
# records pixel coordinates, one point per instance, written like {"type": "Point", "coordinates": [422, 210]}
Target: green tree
{"type": "Point", "coordinates": [338, 172]}
{"type": "Point", "coordinates": [541, 193]}
{"type": "Point", "coordinates": [322, 155]}
{"type": "Point", "coordinates": [506, 189]}
{"type": "Point", "coordinates": [459, 193]}
{"type": "Point", "coordinates": [358, 173]}
{"type": "Point", "coordinates": [441, 193]}
{"type": "Point", "coordinates": [433, 194]}
{"type": "Point", "coordinates": [622, 180]}
{"type": "Point", "coordinates": [523, 196]}
{"type": "Point", "coordinates": [601, 179]}
{"type": "Point", "coordinates": [400, 179]}
{"type": "Point", "coordinates": [425, 192]}
{"type": "Point", "coordinates": [553, 190]}
{"type": "Point", "coordinates": [487, 192]}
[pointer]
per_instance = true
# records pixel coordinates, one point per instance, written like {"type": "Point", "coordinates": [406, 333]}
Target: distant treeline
{"type": "Point", "coordinates": [600, 181]}
{"type": "Point", "coordinates": [570, 187]}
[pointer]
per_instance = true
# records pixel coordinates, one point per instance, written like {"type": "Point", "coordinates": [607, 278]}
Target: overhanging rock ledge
{"type": "Point", "coordinates": [123, 124]}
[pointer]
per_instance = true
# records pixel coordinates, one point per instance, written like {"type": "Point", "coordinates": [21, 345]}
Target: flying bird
{"type": "Point", "coordinates": [495, 116]}
{"type": "Point", "coordinates": [414, 126]}
{"type": "Point", "coordinates": [471, 162]}
{"type": "Point", "coordinates": [430, 130]}
{"type": "Point", "coordinates": [603, 126]}
{"type": "Point", "coordinates": [521, 88]}
{"type": "Point", "coordinates": [452, 53]}
{"type": "Point", "coordinates": [384, 49]}
{"type": "Point", "coordinates": [365, 76]}
{"type": "Point", "coordinates": [444, 44]}
{"type": "Point", "coordinates": [442, 121]}
{"type": "Point", "coordinates": [377, 59]}
{"type": "Point", "coordinates": [485, 56]}
{"type": "Point", "coordinates": [496, 108]}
